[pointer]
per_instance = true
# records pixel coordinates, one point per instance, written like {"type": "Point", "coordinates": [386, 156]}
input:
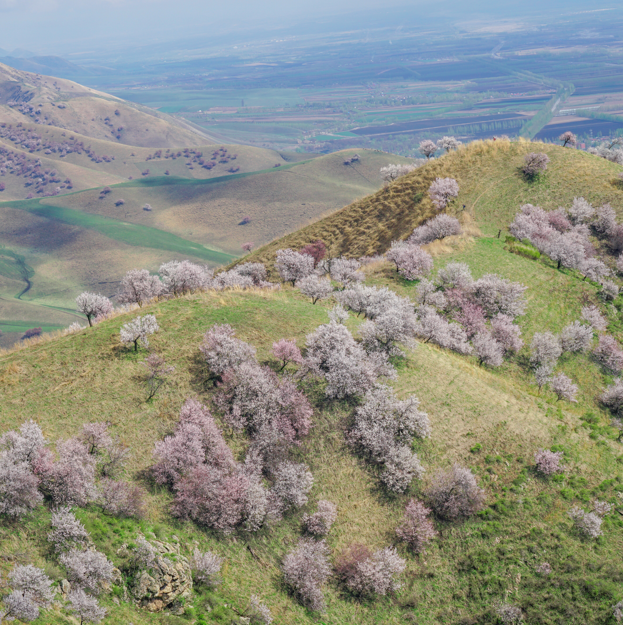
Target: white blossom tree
{"type": "Point", "coordinates": [93, 305]}
{"type": "Point", "coordinates": [138, 330]}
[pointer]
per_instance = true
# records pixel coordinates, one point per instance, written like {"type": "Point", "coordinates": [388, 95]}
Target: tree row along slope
{"type": "Point", "coordinates": [492, 188]}
{"type": "Point", "coordinates": [88, 162]}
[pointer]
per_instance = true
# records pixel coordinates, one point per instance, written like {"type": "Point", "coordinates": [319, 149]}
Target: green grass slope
{"type": "Point", "coordinates": [490, 420]}
{"type": "Point", "coordinates": [81, 240]}
{"type": "Point", "coordinates": [492, 187]}
{"type": "Point", "coordinates": [208, 211]}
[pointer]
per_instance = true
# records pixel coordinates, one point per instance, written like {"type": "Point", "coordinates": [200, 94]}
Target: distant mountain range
{"type": "Point", "coordinates": [46, 65]}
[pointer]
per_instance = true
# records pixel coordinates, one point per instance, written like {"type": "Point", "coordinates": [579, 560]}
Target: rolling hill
{"type": "Point", "coordinates": [61, 103]}
{"type": "Point", "coordinates": [490, 419]}
{"type": "Point", "coordinates": [88, 240]}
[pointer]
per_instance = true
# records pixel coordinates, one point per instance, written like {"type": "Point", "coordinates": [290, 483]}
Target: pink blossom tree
{"type": "Point", "coordinates": [427, 148]}
{"type": "Point", "coordinates": [454, 493]}
{"type": "Point", "coordinates": [222, 350]}
{"type": "Point", "coordinates": [138, 286]}
{"type": "Point", "coordinates": [442, 191]}
{"type": "Point", "coordinates": [535, 163]}
{"type": "Point", "coordinates": [411, 261]}
{"type": "Point", "coordinates": [319, 523]}
{"type": "Point", "coordinates": [417, 529]}
{"type": "Point", "coordinates": [293, 266]}
{"type": "Point", "coordinates": [305, 569]}
{"type": "Point", "coordinates": [287, 352]}
{"type": "Point", "coordinates": [568, 138]}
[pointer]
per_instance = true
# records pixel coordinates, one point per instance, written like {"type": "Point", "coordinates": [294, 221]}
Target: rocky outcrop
{"type": "Point", "coordinates": [168, 580]}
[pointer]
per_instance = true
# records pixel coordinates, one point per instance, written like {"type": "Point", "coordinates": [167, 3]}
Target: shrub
{"type": "Point", "coordinates": [333, 353]}
{"type": "Point", "coordinates": [89, 569]}
{"type": "Point", "coordinates": [376, 575]}
{"type": "Point", "coordinates": [197, 439]}
{"type": "Point", "coordinates": [305, 569]}
{"type": "Point", "coordinates": [258, 612]}
{"type": "Point", "coordinates": [254, 397]}
{"type": "Point", "coordinates": [212, 497]}
{"type": "Point", "coordinates": [612, 397]}
{"type": "Point", "coordinates": [395, 326]}
{"type": "Point", "coordinates": [548, 462]}
{"type": "Point", "coordinates": [384, 428]}
{"type": "Point", "coordinates": [587, 523]}
{"type": "Point", "coordinates": [417, 530]}
{"type": "Point", "coordinates": [206, 567]}
{"type": "Point", "coordinates": [389, 173]}
{"type": "Point", "coordinates": [439, 227]}
{"type": "Point", "coordinates": [581, 211]}
{"type": "Point", "coordinates": [70, 480]}
{"type": "Point", "coordinates": [454, 493]}
{"type": "Point", "coordinates": [505, 332]}
{"type": "Point", "coordinates": [509, 614]}
{"type": "Point", "coordinates": [122, 499]}
{"type": "Point", "coordinates": [68, 532]}
{"type": "Point", "coordinates": [543, 569]}
{"type": "Point", "coordinates": [435, 328]}
{"type": "Point", "coordinates": [180, 277]}
{"type": "Point", "coordinates": [86, 608]}
{"type": "Point", "coordinates": [442, 191]}
{"type": "Point", "coordinates": [33, 584]}
{"type": "Point", "coordinates": [319, 523]}
{"type": "Point", "coordinates": [448, 143]}
{"type": "Point", "coordinates": [455, 276]}
{"type": "Point", "coordinates": [499, 296]}
{"type": "Point", "coordinates": [535, 163]}
{"type": "Point", "coordinates": [346, 271]}
{"type": "Point", "coordinates": [347, 561]}
{"type": "Point", "coordinates": [19, 606]}
{"type": "Point", "coordinates": [488, 350]}
{"type": "Point", "coordinates": [137, 331]}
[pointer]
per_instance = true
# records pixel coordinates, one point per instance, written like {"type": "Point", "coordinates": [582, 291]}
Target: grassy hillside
{"type": "Point", "coordinates": [125, 162]}
{"type": "Point", "coordinates": [490, 420]}
{"type": "Point", "coordinates": [492, 187]}
{"type": "Point", "coordinates": [277, 200]}
{"type": "Point", "coordinates": [64, 104]}
{"type": "Point", "coordinates": [83, 240]}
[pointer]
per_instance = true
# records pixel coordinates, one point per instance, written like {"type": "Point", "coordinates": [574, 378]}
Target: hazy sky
{"type": "Point", "coordinates": [49, 24]}
{"type": "Point", "coordinates": [63, 26]}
